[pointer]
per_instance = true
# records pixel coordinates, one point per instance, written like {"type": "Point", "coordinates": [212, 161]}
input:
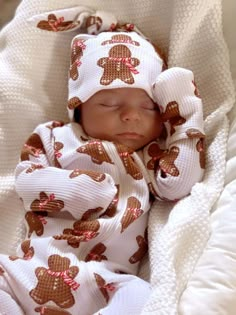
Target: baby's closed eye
{"type": "Point", "coordinates": [149, 106]}
{"type": "Point", "coordinates": [107, 104]}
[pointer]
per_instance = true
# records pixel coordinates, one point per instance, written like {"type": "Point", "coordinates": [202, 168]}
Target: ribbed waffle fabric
{"type": "Point", "coordinates": [33, 89]}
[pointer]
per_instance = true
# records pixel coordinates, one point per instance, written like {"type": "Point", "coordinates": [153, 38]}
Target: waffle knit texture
{"type": "Point", "coordinates": [33, 78]}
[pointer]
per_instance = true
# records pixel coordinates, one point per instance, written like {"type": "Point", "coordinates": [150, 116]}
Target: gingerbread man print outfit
{"type": "Point", "coordinates": [87, 200]}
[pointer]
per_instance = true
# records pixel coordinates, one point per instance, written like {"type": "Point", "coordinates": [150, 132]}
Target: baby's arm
{"type": "Point", "coordinates": [45, 187]}
{"type": "Point", "coordinates": [181, 165]}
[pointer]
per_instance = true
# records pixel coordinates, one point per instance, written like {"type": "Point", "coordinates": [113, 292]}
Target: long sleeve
{"type": "Point", "coordinates": [177, 166]}
{"type": "Point", "coordinates": [44, 186]}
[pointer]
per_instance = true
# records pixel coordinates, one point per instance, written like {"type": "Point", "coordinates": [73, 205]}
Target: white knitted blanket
{"type": "Point", "coordinates": [33, 89]}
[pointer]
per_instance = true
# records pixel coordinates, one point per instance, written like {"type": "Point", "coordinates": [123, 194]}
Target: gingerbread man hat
{"type": "Point", "coordinates": [105, 55]}
{"type": "Point", "coordinates": [111, 60]}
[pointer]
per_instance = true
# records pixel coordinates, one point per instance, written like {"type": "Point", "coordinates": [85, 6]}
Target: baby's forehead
{"type": "Point", "coordinates": [122, 92]}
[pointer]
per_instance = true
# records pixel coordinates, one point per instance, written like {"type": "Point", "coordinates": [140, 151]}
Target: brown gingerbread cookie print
{"type": "Point", "coordinates": [33, 147]}
{"type": "Point", "coordinates": [118, 65]}
{"type": "Point", "coordinates": [166, 163]}
{"type": "Point", "coordinates": [1, 271]}
{"type": "Point", "coordinates": [104, 287]}
{"type": "Point", "coordinates": [56, 283]}
{"type": "Point", "coordinates": [91, 214]}
{"type": "Point", "coordinates": [33, 168]}
{"type": "Point", "coordinates": [78, 46]}
{"type": "Point", "coordinates": [194, 133]}
{"type": "Point", "coordinates": [96, 176]}
{"type": "Point", "coordinates": [121, 38]}
{"type": "Point", "coordinates": [196, 91]}
{"type": "Point", "coordinates": [96, 253]}
{"type": "Point", "coordinates": [96, 151]}
{"type": "Point", "coordinates": [47, 203]}
{"type": "Point", "coordinates": [131, 167]}
{"type": "Point", "coordinates": [142, 249]}
{"type": "Point", "coordinates": [112, 208]}
{"type": "Point", "coordinates": [133, 212]}
{"type": "Point", "coordinates": [55, 24]}
{"type": "Point", "coordinates": [200, 146]}
{"type": "Point", "coordinates": [93, 24]}
{"type": "Point", "coordinates": [127, 27]}
{"type": "Point", "coordinates": [35, 223]}
{"type": "Point", "coordinates": [83, 231]}
{"type": "Point", "coordinates": [201, 149]}
{"type": "Point", "coordinates": [155, 152]}
{"type": "Point", "coordinates": [28, 251]}
{"type": "Point", "coordinates": [48, 310]}
{"type": "Point", "coordinates": [73, 103]}
{"type": "Point", "coordinates": [55, 124]}
{"type": "Point", "coordinates": [172, 115]}
{"type": "Point", "coordinates": [58, 146]}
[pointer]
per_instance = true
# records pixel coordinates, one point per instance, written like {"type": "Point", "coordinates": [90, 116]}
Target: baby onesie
{"type": "Point", "coordinates": [86, 209]}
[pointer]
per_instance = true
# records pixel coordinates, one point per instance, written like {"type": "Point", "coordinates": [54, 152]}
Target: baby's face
{"type": "Point", "coordinates": [125, 115]}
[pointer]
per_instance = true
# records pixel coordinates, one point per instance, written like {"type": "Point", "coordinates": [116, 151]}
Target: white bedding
{"type": "Point", "coordinates": [192, 253]}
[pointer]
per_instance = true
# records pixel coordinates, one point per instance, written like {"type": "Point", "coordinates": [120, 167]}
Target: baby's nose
{"type": "Point", "coordinates": [130, 114]}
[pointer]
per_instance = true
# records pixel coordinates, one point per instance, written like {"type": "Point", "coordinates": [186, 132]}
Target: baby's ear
{"type": "Point", "coordinates": [76, 18]}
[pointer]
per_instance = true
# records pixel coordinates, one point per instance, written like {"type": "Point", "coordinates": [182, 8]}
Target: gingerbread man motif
{"type": "Point", "coordinates": [1, 271]}
{"type": "Point", "coordinates": [122, 38]}
{"type": "Point", "coordinates": [47, 203]}
{"type": "Point", "coordinates": [55, 24]}
{"type": "Point", "coordinates": [33, 147]}
{"type": "Point", "coordinates": [142, 249]}
{"type": "Point", "coordinates": [82, 231]}
{"type": "Point", "coordinates": [96, 176]}
{"type": "Point", "coordinates": [155, 152]}
{"type": "Point", "coordinates": [133, 212]}
{"type": "Point", "coordinates": [96, 151]}
{"type": "Point", "coordinates": [78, 47]}
{"type": "Point", "coordinates": [196, 92]}
{"type": "Point", "coordinates": [172, 115]}
{"type": "Point", "coordinates": [91, 214]}
{"type": "Point", "coordinates": [74, 102]}
{"type": "Point", "coordinates": [47, 310]}
{"type": "Point", "coordinates": [112, 208]}
{"type": "Point", "coordinates": [96, 253]}
{"type": "Point", "coordinates": [201, 149]}
{"type": "Point", "coordinates": [131, 167]}
{"type": "Point", "coordinates": [26, 249]}
{"type": "Point", "coordinates": [166, 163]}
{"type": "Point", "coordinates": [93, 24]}
{"type": "Point", "coordinates": [104, 287]}
{"type": "Point", "coordinates": [35, 223]}
{"type": "Point", "coordinates": [118, 65]}
{"type": "Point", "coordinates": [55, 124]}
{"type": "Point", "coordinates": [200, 146]}
{"type": "Point", "coordinates": [56, 283]}
{"type": "Point", "coordinates": [34, 167]}
{"type": "Point", "coordinates": [194, 133]}
{"type": "Point", "coordinates": [57, 154]}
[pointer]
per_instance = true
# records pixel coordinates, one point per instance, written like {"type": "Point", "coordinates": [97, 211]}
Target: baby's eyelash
{"type": "Point", "coordinates": [149, 107]}
{"type": "Point", "coordinates": [107, 105]}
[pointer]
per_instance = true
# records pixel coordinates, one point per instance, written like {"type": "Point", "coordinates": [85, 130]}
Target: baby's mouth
{"type": "Point", "coordinates": [130, 135]}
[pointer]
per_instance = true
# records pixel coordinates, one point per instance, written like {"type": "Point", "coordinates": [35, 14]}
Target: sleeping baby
{"type": "Point", "coordinates": [136, 134]}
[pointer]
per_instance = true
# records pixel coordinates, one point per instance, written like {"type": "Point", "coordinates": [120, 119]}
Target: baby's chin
{"type": "Point", "coordinates": [131, 145]}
